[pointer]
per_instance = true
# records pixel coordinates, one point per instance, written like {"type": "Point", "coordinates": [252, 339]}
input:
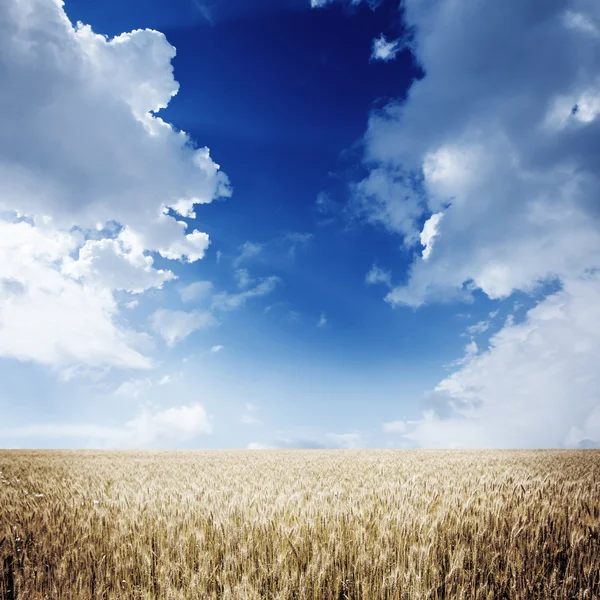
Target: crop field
{"type": "Point", "coordinates": [322, 525]}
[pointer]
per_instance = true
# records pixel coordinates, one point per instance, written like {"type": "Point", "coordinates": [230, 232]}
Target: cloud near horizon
{"type": "Point", "coordinates": [494, 150]}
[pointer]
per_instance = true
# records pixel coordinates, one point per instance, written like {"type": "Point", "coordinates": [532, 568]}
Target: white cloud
{"type": "Point", "coordinates": [176, 325]}
{"type": "Point", "coordinates": [87, 171]}
{"type": "Point", "coordinates": [196, 291]}
{"type": "Point", "coordinates": [177, 423]}
{"type": "Point", "coordinates": [377, 275]}
{"type": "Point", "coordinates": [471, 350]}
{"type": "Point", "coordinates": [216, 349]}
{"type": "Point", "coordinates": [48, 317]}
{"type": "Point", "coordinates": [134, 388]}
{"type": "Point", "coordinates": [472, 140]}
{"type": "Point", "coordinates": [114, 264]}
{"type": "Point", "coordinates": [173, 425]}
{"type": "Point", "coordinates": [503, 143]}
{"type": "Point", "coordinates": [430, 231]}
{"type": "Point", "coordinates": [537, 385]}
{"type": "Point", "coordinates": [390, 198]}
{"type": "Point", "coordinates": [322, 321]}
{"type": "Point", "coordinates": [129, 163]}
{"type": "Point", "coordinates": [259, 446]}
{"type": "Point", "coordinates": [224, 301]}
{"type": "Point", "coordinates": [478, 328]}
{"type": "Point", "coordinates": [248, 250]}
{"type": "Point", "coordinates": [384, 50]}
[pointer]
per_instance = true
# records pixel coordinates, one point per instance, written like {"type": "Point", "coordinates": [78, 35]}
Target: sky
{"type": "Point", "coordinates": [293, 224]}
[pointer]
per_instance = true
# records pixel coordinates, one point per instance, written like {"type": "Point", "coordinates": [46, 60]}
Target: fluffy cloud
{"type": "Point", "coordinates": [173, 425]}
{"type": "Point", "coordinates": [114, 264]}
{"type": "Point", "coordinates": [494, 149]}
{"type": "Point", "coordinates": [537, 385]}
{"type": "Point", "coordinates": [502, 152]}
{"type": "Point", "coordinates": [47, 316]}
{"type": "Point", "coordinates": [176, 325]}
{"type": "Point", "coordinates": [430, 230]}
{"type": "Point", "coordinates": [91, 181]}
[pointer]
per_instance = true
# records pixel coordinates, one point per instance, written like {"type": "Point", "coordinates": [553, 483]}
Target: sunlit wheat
{"type": "Point", "coordinates": [321, 525]}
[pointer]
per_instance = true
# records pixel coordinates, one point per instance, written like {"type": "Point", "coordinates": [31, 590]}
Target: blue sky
{"type": "Point", "coordinates": [393, 240]}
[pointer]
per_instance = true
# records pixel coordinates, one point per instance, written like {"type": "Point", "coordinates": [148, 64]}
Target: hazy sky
{"type": "Point", "coordinates": [266, 223]}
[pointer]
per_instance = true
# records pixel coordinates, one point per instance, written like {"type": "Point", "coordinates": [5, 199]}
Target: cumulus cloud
{"type": "Point", "coordinates": [390, 197]}
{"type": "Point", "coordinates": [114, 264]}
{"type": "Point", "coordinates": [172, 425]}
{"type": "Point", "coordinates": [502, 153]}
{"type": "Point", "coordinates": [216, 349]}
{"type": "Point", "coordinates": [91, 182]}
{"type": "Point", "coordinates": [497, 143]}
{"type": "Point", "coordinates": [537, 385]}
{"type": "Point", "coordinates": [430, 230]}
{"type": "Point", "coordinates": [176, 325]}
{"type": "Point", "coordinates": [50, 318]}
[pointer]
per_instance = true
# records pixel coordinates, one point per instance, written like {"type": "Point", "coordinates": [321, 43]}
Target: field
{"type": "Point", "coordinates": [299, 524]}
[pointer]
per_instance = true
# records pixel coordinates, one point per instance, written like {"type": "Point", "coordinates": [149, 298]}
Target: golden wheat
{"type": "Point", "coordinates": [322, 525]}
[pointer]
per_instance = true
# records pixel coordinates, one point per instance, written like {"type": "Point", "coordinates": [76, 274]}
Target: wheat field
{"type": "Point", "coordinates": [312, 524]}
